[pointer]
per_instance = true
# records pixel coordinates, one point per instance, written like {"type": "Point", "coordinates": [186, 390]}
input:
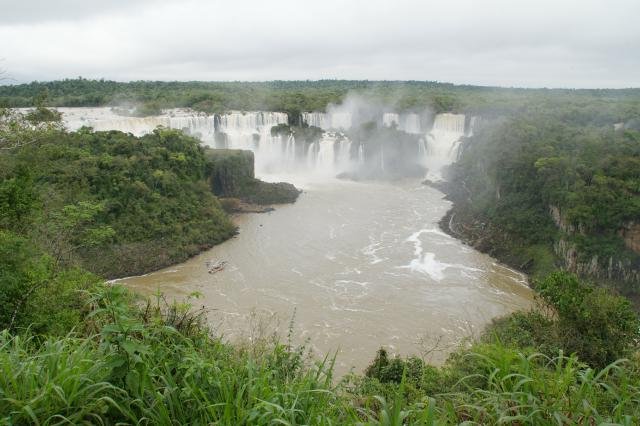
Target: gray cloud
{"type": "Point", "coordinates": [588, 43]}
{"type": "Point", "coordinates": [23, 12]}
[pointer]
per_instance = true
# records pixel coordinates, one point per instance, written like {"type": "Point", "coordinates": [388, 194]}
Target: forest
{"type": "Point", "coordinates": [595, 105]}
{"type": "Point", "coordinates": [110, 203]}
{"type": "Point", "coordinates": [542, 192]}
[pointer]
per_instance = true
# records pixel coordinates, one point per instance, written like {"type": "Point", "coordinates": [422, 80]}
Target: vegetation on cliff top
{"type": "Point", "coordinates": [515, 174]}
{"type": "Point", "coordinates": [112, 203]}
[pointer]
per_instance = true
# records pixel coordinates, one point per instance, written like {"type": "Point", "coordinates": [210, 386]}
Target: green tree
{"type": "Point", "coordinates": [598, 326]}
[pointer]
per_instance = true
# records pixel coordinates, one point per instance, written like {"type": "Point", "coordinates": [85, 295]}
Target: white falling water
{"type": "Point", "coordinates": [196, 125]}
{"type": "Point", "coordinates": [422, 148]}
{"type": "Point", "coordinates": [390, 119]}
{"type": "Point", "coordinates": [473, 122]}
{"type": "Point", "coordinates": [103, 119]}
{"type": "Point", "coordinates": [409, 123]}
{"type": "Point", "coordinates": [328, 120]}
{"type": "Point", "coordinates": [252, 131]}
{"type": "Point", "coordinates": [442, 143]}
{"type": "Point", "coordinates": [329, 156]}
{"type": "Point", "coordinates": [316, 119]}
{"type": "Point", "coordinates": [344, 154]}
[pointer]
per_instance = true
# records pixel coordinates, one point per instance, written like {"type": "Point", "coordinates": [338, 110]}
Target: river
{"type": "Point", "coordinates": [354, 266]}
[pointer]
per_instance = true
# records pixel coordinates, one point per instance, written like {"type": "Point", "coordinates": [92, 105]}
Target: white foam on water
{"type": "Point", "coordinates": [425, 263]}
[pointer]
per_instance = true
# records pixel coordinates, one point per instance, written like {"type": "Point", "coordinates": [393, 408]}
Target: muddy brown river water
{"type": "Point", "coordinates": [362, 265]}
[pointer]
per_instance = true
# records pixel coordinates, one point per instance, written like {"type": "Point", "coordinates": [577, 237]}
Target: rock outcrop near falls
{"type": "Point", "coordinates": [230, 173]}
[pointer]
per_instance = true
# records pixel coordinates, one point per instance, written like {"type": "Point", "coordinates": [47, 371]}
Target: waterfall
{"type": "Point", "coordinates": [409, 123]}
{"type": "Point", "coordinates": [329, 156]}
{"type": "Point", "coordinates": [344, 154]}
{"type": "Point", "coordinates": [473, 123]}
{"type": "Point", "coordinates": [422, 148]}
{"type": "Point", "coordinates": [333, 154]}
{"type": "Point", "coordinates": [312, 154]}
{"type": "Point", "coordinates": [201, 126]}
{"type": "Point", "coordinates": [325, 160]}
{"type": "Point", "coordinates": [412, 124]}
{"type": "Point", "coordinates": [252, 131]}
{"type": "Point", "coordinates": [102, 119]}
{"type": "Point", "coordinates": [290, 153]}
{"type": "Point", "coordinates": [328, 120]}
{"type": "Point", "coordinates": [442, 143]}
{"type": "Point", "coordinates": [389, 119]}
{"type": "Point", "coordinates": [316, 119]}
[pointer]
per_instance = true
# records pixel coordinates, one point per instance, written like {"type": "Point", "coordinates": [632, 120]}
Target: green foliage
{"type": "Point", "coordinates": [36, 295]}
{"type": "Point", "coordinates": [259, 192]}
{"type": "Point", "coordinates": [281, 129]}
{"type": "Point", "coordinates": [18, 199]}
{"type": "Point", "coordinates": [141, 367]}
{"type": "Point", "coordinates": [43, 115]}
{"type": "Point", "coordinates": [490, 383]}
{"type": "Point", "coordinates": [534, 329]}
{"type": "Point", "coordinates": [394, 370]}
{"type": "Point", "coordinates": [113, 203]}
{"type": "Point", "coordinates": [155, 363]}
{"type": "Point", "coordinates": [577, 318]}
{"type": "Point", "coordinates": [515, 170]}
{"type": "Point", "coordinates": [508, 386]}
{"type": "Point", "coordinates": [21, 269]}
{"type": "Point", "coordinates": [147, 108]}
{"type": "Point", "coordinates": [597, 325]}
{"type": "Point", "coordinates": [17, 130]}
{"type": "Point", "coordinates": [579, 106]}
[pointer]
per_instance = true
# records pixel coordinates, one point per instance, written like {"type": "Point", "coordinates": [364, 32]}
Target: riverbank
{"type": "Point", "coordinates": [462, 223]}
{"type": "Point", "coordinates": [536, 261]}
{"type": "Point", "coordinates": [149, 256]}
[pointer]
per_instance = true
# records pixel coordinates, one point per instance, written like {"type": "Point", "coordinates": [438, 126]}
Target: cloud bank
{"type": "Point", "coordinates": [542, 43]}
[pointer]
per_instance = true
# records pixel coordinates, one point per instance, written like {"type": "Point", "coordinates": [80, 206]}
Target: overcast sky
{"type": "Point", "coordinates": [539, 43]}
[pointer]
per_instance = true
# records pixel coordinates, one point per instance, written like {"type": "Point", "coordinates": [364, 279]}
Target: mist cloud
{"type": "Point", "coordinates": [534, 43]}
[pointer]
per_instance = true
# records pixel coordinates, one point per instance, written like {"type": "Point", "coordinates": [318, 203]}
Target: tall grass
{"type": "Point", "coordinates": [157, 366]}
{"type": "Point", "coordinates": [510, 387]}
{"type": "Point", "coordinates": [140, 369]}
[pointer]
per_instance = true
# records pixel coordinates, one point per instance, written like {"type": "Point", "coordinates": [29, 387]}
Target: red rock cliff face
{"type": "Point", "coordinates": [631, 235]}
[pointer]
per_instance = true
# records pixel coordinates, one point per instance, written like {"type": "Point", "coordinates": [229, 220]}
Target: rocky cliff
{"type": "Point", "coordinates": [630, 233]}
{"type": "Point", "coordinates": [231, 174]}
{"type": "Point", "coordinates": [609, 268]}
